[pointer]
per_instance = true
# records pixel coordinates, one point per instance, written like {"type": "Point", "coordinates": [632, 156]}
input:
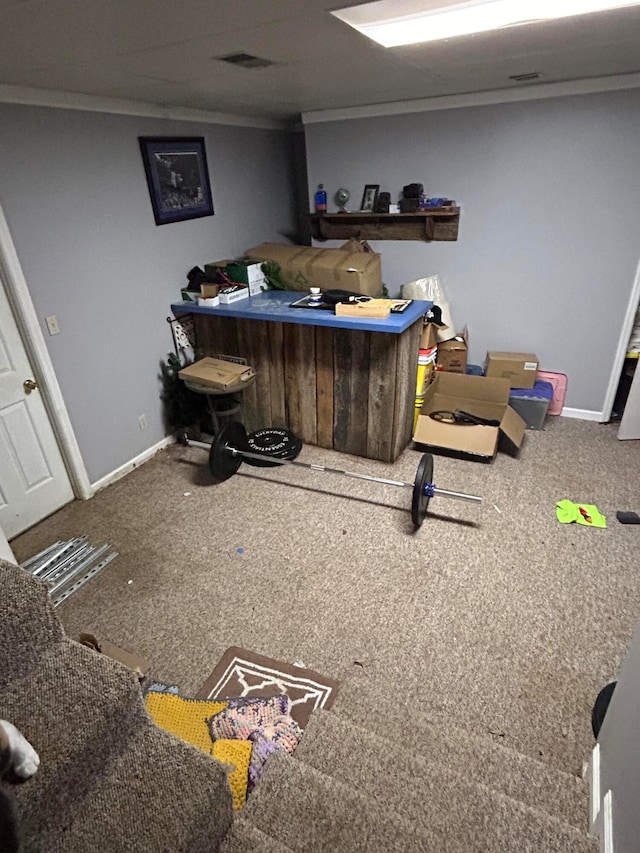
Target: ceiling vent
{"type": "Point", "coordinates": [246, 60]}
{"type": "Point", "coordinates": [525, 78]}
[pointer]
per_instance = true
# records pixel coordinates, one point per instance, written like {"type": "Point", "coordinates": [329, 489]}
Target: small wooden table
{"type": "Point", "coordinates": [338, 382]}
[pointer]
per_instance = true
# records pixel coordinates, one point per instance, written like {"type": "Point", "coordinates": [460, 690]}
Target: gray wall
{"type": "Point", "coordinates": [548, 244]}
{"type": "Point", "coordinates": [73, 190]}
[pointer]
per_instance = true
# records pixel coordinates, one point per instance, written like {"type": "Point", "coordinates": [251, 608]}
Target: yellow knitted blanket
{"type": "Point", "coordinates": [187, 719]}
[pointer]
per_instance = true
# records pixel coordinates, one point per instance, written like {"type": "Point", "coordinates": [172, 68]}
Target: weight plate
{"type": "Point", "coordinates": [420, 501]}
{"type": "Point", "coordinates": [222, 463]}
{"type": "Point", "coordinates": [278, 442]}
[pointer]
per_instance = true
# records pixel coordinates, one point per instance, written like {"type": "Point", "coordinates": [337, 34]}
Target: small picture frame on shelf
{"type": "Point", "coordinates": [369, 198]}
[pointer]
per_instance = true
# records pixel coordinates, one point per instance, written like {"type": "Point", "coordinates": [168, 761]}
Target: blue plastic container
{"type": "Point", "coordinates": [532, 403]}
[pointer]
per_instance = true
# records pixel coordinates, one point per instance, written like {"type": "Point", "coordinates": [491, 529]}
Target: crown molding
{"type": "Point", "coordinates": [117, 106]}
{"type": "Point", "coordinates": [478, 99]}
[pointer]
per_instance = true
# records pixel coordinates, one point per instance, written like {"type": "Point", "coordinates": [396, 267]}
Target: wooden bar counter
{"type": "Point", "coordinates": [339, 382]}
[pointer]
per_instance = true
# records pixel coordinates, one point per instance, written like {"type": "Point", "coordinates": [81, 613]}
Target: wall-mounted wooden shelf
{"type": "Point", "coordinates": [438, 223]}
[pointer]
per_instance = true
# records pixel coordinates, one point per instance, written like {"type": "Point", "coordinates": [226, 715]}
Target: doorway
{"type": "Point", "coordinates": [624, 384]}
{"type": "Point", "coordinates": [41, 467]}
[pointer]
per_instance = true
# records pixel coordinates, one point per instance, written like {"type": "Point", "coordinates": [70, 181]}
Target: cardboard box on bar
{"type": "Point", "coordinates": [519, 368]}
{"type": "Point", "coordinates": [477, 395]}
{"type": "Point", "coordinates": [216, 373]}
{"type": "Point", "coordinates": [380, 308]}
{"type": "Point", "coordinates": [304, 267]}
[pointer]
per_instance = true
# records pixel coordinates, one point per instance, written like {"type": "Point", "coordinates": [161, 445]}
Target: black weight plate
{"type": "Point", "coordinates": [420, 501]}
{"type": "Point", "coordinates": [276, 442]}
{"type": "Point", "coordinates": [222, 463]}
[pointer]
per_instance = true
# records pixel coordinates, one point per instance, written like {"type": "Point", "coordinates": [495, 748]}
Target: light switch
{"type": "Point", "coordinates": [52, 325]}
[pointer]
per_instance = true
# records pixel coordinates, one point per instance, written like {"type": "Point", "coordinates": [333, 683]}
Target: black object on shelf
{"type": "Point", "coordinates": [412, 191]}
{"type": "Point", "coordinates": [409, 205]}
{"type": "Point", "coordinates": [382, 203]}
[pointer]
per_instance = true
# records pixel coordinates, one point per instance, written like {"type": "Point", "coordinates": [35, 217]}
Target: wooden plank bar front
{"type": "Point", "coordinates": [346, 389]}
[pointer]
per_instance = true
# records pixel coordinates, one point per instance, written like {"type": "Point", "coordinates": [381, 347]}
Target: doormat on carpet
{"type": "Point", "coordinates": [243, 673]}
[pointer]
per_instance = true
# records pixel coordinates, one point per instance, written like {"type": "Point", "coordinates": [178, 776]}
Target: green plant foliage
{"type": "Point", "coordinates": [182, 408]}
{"type": "Point", "coordinates": [273, 275]}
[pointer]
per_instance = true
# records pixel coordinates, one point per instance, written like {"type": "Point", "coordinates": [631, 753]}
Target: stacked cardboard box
{"type": "Point", "coordinates": [519, 368]}
{"type": "Point", "coordinates": [452, 354]}
{"type": "Point", "coordinates": [303, 267]}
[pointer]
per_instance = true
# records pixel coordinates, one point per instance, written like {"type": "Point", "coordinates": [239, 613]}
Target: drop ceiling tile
{"type": "Point", "coordinates": [90, 29]}
{"type": "Point", "coordinates": [162, 52]}
{"type": "Point", "coordinates": [570, 65]}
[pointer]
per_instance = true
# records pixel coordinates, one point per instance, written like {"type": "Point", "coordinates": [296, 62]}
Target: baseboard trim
{"type": "Point", "coordinates": [583, 414]}
{"type": "Point", "coordinates": [608, 822]}
{"type": "Point", "coordinates": [125, 469]}
{"type": "Point", "coordinates": [595, 785]}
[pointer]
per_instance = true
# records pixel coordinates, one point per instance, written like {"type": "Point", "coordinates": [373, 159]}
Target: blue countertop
{"type": "Point", "coordinates": [274, 305]}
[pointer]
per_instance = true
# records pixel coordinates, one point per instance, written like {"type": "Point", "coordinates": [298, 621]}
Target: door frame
{"type": "Point", "coordinates": [26, 319]}
{"type": "Point", "coordinates": [621, 351]}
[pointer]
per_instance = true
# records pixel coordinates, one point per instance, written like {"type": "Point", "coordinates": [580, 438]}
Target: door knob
{"type": "Point", "coordinates": [29, 385]}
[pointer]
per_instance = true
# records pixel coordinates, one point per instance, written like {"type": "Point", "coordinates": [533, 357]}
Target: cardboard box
{"type": "Point", "coordinates": [429, 336]}
{"type": "Point", "coordinates": [304, 267]}
{"type": "Point", "coordinates": [229, 295]}
{"type": "Point", "coordinates": [477, 395]}
{"type": "Point", "coordinates": [209, 291]}
{"type": "Point", "coordinates": [132, 661]}
{"type": "Point", "coordinates": [217, 373]}
{"type": "Point", "coordinates": [452, 354]}
{"type": "Point", "coordinates": [213, 267]}
{"type": "Point", "coordinates": [377, 308]}
{"type": "Point", "coordinates": [518, 367]}
{"type": "Point", "coordinates": [353, 245]}
{"type": "Point", "coordinates": [209, 301]}
{"type": "Point", "coordinates": [242, 272]}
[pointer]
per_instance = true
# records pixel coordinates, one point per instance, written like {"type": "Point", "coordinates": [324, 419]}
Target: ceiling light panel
{"type": "Point", "coordinates": [392, 24]}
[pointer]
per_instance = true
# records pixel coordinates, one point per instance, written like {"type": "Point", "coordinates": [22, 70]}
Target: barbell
{"type": "Point", "coordinates": [228, 451]}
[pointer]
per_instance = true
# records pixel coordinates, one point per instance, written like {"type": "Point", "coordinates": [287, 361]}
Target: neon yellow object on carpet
{"type": "Point", "coordinates": [587, 514]}
{"type": "Point", "coordinates": [238, 753]}
{"type": "Point", "coordinates": [185, 718]}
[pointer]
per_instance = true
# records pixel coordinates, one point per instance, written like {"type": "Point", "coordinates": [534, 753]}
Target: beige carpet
{"type": "Point", "coordinates": [495, 619]}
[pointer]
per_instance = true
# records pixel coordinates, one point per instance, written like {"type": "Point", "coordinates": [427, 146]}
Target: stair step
{"type": "Point", "coordinates": [433, 797]}
{"type": "Point", "coordinates": [497, 700]}
{"type": "Point", "coordinates": [480, 759]}
{"type": "Point", "coordinates": [308, 811]}
{"type": "Point", "coordinates": [243, 837]}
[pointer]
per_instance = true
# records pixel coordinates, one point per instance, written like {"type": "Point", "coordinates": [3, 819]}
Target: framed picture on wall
{"type": "Point", "coordinates": [369, 198]}
{"type": "Point", "coordinates": [177, 177]}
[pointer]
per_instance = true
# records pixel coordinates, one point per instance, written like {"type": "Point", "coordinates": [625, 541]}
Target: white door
{"type": "Point", "coordinates": [33, 478]}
